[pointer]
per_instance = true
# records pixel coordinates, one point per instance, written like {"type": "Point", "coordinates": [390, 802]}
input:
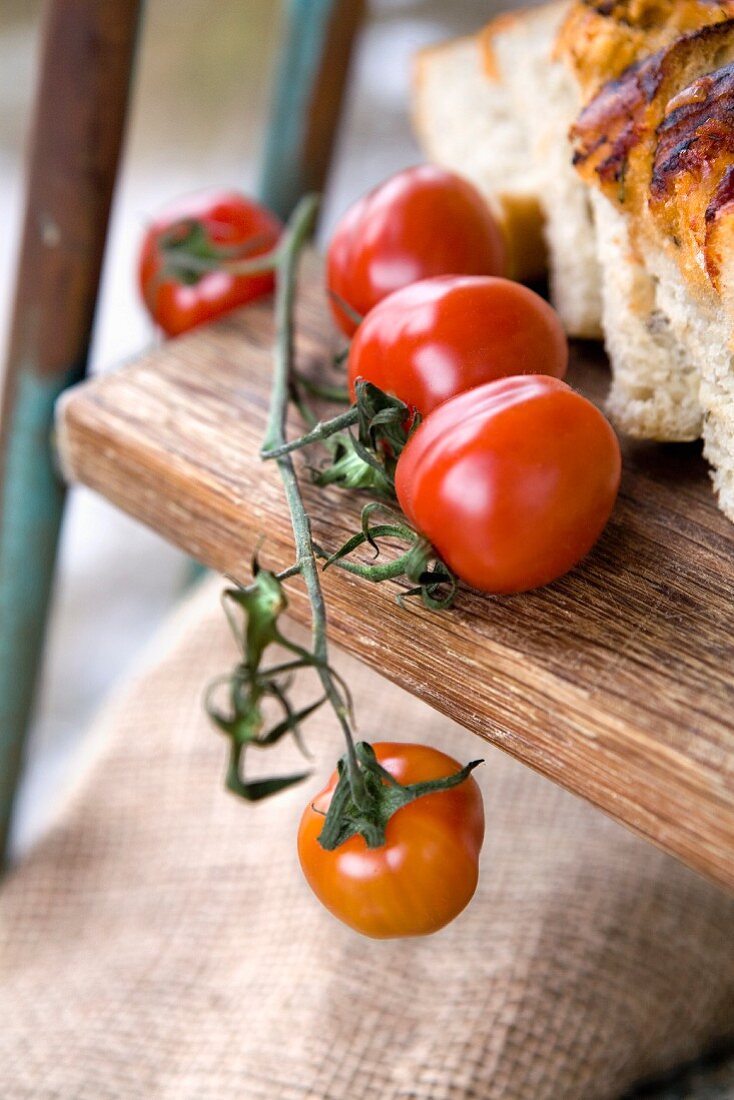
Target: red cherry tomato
{"type": "Point", "coordinates": [438, 337]}
{"type": "Point", "coordinates": [511, 482]}
{"type": "Point", "coordinates": [425, 873]}
{"type": "Point", "coordinates": [424, 221]}
{"type": "Point", "coordinates": [229, 221]}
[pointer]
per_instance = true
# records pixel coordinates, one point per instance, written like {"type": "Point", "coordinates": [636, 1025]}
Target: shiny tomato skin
{"type": "Point", "coordinates": [230, 219]}
{"type": "Point", "coordinates": [512, 482]}
{"type": "Point", "coordinates": [425, 873]}
{"type": "Point", "coordinates": [441, 336]}
{"type": "Point", "coordinates": [421, 222]}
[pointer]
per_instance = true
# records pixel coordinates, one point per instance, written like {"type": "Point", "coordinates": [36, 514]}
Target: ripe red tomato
{"type": "Point", "coordinates": [425, 873]}
{"type": "Point", "coordinates": [229, 221]}
{"type": "Point", "coordinates": [424, 221]}
{"type": "Point", "coordinates": [512, 482]}
{"type": "Point", "coordinates": [438, 337]}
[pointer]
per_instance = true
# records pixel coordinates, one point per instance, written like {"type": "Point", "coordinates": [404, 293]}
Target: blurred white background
{"type": "Point", "coordinates": [198, 112]}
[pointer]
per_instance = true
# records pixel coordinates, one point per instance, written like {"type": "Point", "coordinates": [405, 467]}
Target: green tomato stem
{"type": "Point", "coordinates": [323, 430]}
{"type": "Point", "coordinates": [196, 266]}
{"type": "Point", "coordinates": [189, 253]}
{"type": "Point", "coordinates": [289, 251]}
{"type": "Point", "coordinates": [286, 574]}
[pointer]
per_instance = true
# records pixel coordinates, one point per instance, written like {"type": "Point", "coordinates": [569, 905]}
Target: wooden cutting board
{"type": "Point", "coordinates": [617, 681]}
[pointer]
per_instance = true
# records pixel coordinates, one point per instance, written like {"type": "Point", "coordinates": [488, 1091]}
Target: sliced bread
{"type": "Point", "coordinates": [545, 98]}
{"type": "Point", "coordinates": [658, 145]}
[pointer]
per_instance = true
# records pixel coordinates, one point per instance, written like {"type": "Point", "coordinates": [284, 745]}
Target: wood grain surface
{"type": "Point", "coordinates": [617, 681]}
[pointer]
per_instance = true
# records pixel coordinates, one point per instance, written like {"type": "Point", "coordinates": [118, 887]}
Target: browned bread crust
{"type": "Point", "coordinates": [696, 132]}
{"type": "Point", "coordinates": [601, 39]}
{"type": "Point", "coordinates": [615, 136]}
{"type": "Point", "coordinates": [719, 219]}
{"type": "Point", "coordinates": [690, 186]}
{"type": "Point", "coordinates": [660, 139]}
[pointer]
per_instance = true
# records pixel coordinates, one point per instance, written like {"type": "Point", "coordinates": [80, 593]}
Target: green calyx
{"type": "Point", "coordinates": [353, 467]}
{"type": "Point", "coordinates": [381, 796]}
{"type": "Point", "coordinates": [385, 422]}
{"type": "Point", "coordinates": [419, 564]}
{"type": "Point", "coordinates": [253, 614]}
{"type": "Point", "coordinates": [188, 253]}
{"type": "Point", "coordinates": [367, 458]}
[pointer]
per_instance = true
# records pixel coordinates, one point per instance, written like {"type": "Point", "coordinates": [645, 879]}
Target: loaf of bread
{"type": "Point", "coordinates": [623, 113]}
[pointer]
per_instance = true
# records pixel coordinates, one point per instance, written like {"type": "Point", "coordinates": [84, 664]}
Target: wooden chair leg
{"type": "Point", "coordinates": [77, 133]}
{"type": "Point", "coordinates": [313, 68]}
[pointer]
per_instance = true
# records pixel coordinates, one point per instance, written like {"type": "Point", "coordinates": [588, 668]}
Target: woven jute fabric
{"type": "Point", "coordinates": [161, 943]}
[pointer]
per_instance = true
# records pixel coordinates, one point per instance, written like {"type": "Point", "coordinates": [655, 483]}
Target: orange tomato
{"type": "Point", "coordinates": [427, 870]}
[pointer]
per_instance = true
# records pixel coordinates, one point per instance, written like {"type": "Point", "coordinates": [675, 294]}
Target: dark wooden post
{"type": "Point", "coordinates": [81, 103]}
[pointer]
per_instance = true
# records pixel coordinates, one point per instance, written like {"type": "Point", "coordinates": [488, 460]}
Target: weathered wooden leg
{"type": "Point", "coordinates": [314, 62]}
{"type": "Point", "coordinates": [77, 133]}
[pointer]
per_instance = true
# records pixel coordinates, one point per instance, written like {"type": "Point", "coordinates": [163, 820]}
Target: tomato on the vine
{"type": "Point", "coordinates": [511, 482]}
{"type": "Point", "coordinates": [421, 222]}
{"type": "Point", "coordinates": [211, 226]}
{"type": "Point", "coordinates": [427, 870]}
{"type": "Point", "coordinates": [441, 336]}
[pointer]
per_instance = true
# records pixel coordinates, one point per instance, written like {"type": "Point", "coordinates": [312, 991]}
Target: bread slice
{"type": "Point", "coordinates": [546, 98]}
{"type": "Point", "coordinates": [690, 239]}
{"type": "Point", "coordinates": [464, 120]}
{"type": "Point", "coordinates": [658, 145]}
{"type": "Point", "coordinates": [655, 389]}
{"type": "Point", "coordinates": [655, 384]}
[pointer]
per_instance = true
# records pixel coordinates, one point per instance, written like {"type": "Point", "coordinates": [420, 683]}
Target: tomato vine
{"type": "Point", "coordinates": [364, 804]}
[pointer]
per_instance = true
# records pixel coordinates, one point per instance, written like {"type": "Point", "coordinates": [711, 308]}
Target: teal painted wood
{"type": "Point", "coordinates": [81, 105]}
{"type": "Point", "coordinates": [32, 503]}
{"type": "Point", "coordinates": [318, 40]}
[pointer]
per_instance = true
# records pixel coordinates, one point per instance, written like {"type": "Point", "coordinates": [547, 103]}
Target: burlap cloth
{"type": "Point", "coordinates": [161, 943]}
